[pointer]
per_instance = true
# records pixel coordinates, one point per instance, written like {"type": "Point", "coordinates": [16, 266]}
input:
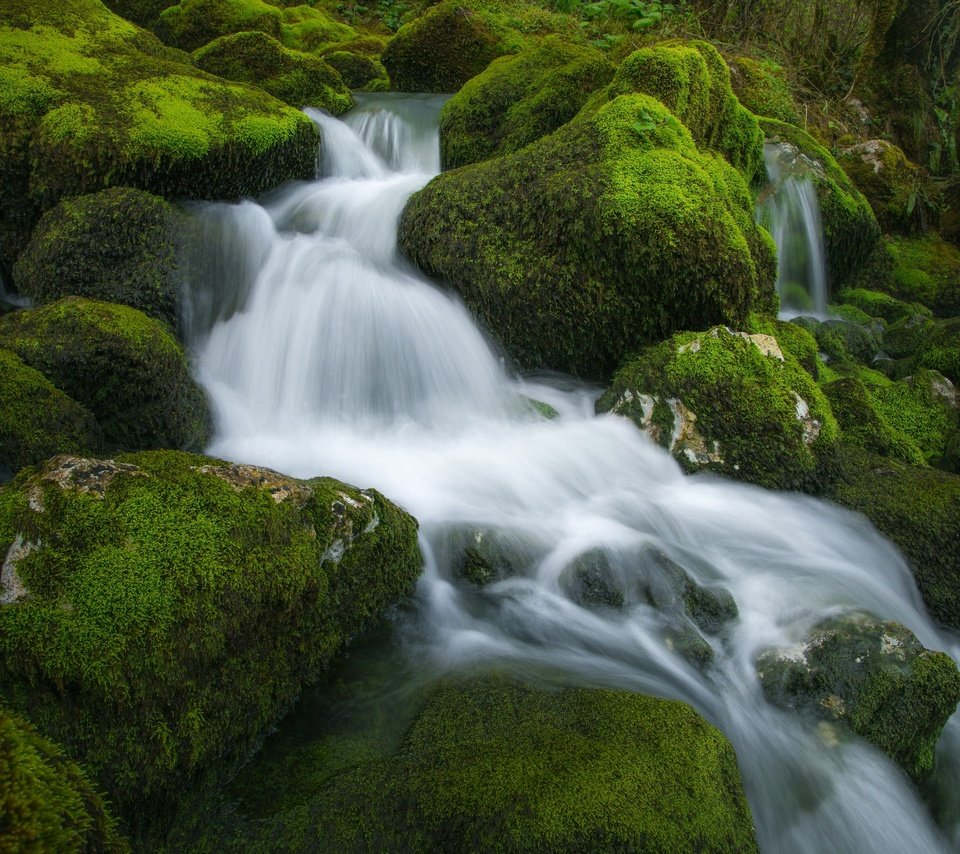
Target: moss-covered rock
{"type": "Point", "coordinates": [609, 233]}
{"type": "Point", "coordinates": [908, 335]}
{"type": "Point", "coordinates": [146, 13]}
{"type": "Point", "coordinates": [941, 351]}
{"type": "Point", "coordinates": [357, 70]}
{"type": "Point", "coordinates": [123, 366]}
{"type": "Point", "coordinates": [300, 79]}
{"type": "Point", "coordinates": [926, 270]}
{"type": "Point", "coordinates": [875, 678]}
{"type": "Point", "coordinates": [161, 610]}
{"type": "Point", "coordinates": [519, 99]}
{"type": "Point", "coordinates": [38, 420]}
{"type": "Point", "coordinates": [761, 86]}
{"type": "Point", "coordinates": [88, 101]}
{"type": "Point", "coordinates": [119, 245]}
{"type": "Point", "coordinates": [842, 340]}
{"type": "Point", "coordinates": [850, 229]}
{"type": "Point", "coordinates": [46, 801]}
{"type": "Point", "coordinates": [727, 402]}
{"type": "Point", "coordinates": [877, 304]}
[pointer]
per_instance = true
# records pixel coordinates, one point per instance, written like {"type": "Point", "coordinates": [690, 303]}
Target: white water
{"type": "Point", "coordinates": [794, 214]}
{"type": "Point", "coordinates": [325, 354]}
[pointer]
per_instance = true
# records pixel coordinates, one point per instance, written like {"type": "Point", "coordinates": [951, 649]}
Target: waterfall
{"type": "Point", "coordinates": [793, 213]}
{"type": "Point", "coordinates": [325, 353]}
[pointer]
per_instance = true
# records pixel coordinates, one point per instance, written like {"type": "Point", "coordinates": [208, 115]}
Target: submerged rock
{"type": "Point", "coordinates": [172, 606]}
{"type": "Point", "coordinates": [875, 678]}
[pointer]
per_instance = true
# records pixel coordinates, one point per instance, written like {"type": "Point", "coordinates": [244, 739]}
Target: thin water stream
{"type": "Point", "coordinates": [325, 353]}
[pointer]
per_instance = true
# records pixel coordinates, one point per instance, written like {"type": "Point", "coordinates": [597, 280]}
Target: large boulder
{"type": "Point", "coordinates": [923, 269]}
{"type": "Point", "coordinates": [92, 101]}
{"type": "Point", "coordinates": [160, 610]}
{"type": "Point", "coordinates": [125, 367]}
{"type": "Point", "coordinates": [874, 677]}
{"type": "Point", "coordinates": [728, 402]}
{"type": "Point", "coordinates": [46, 801]}
{"type": "Point", "coordinates": [119, 245]}
{"type": "Point", "coordinates": [609, 233]}
{"type": "Point", "coordinates": [762, 87]}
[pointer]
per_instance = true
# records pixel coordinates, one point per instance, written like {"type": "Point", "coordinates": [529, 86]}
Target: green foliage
{"type": "Point", "coordinates": [637, 14]}
{"type": "Point", "coordinates": [123, 366]}
{"type": "Point", "coordinates": [177, 604]}
{"type": "Point", "coordinates": [925, 269]}
{"type": "Point", "coordinates": [356, 69]}
{"type": "Point", "coordinates": [46, 801]}
{"type": "Point", "coordinates": [762, 87]}
{"type": "Point", "coordinates": [878, 304]}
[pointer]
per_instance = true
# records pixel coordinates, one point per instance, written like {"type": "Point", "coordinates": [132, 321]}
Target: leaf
{"type": "Point", "coordinates": [911, 202]}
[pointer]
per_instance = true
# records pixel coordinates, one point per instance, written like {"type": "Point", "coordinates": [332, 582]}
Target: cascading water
{"type": "Point", "coordinates": [324, 353]}
{"type": "Point", "coordinates": [793, 214]}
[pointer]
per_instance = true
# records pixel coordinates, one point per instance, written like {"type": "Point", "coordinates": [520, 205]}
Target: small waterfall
{"type": "Point", "coordinates": [324, 353]}
{"type": "Point", "coordinates": [793, 213]}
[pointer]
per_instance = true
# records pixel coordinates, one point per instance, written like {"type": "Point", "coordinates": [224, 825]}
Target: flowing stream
{"type": "Point", "coordinates": [325, 353]}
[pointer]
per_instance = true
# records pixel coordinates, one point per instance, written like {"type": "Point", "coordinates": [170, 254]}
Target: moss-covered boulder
{"type": "Point", "coordinates": [123, 366]}
{"type": "Point", "coordinates": [519, 99]}
{"type": "Point", "coordinates": [727, 402]}
{"type": "Point", "coordinates": [46, 801]}
{"type": "Point", "coordinates": [494, 765]}
{"type": "Point", "coordinates": [843, 341]}
{"type": "Point", "coordinates": [356, 69]}
{"type": "Point", "coordinates": [941, 351]}
{"type": "Point", "coordinates": [89, 100]}
{"type": "Point", "coordinates": [160, 610]}
{"type": "Point", "coordinates": [850, 230]}
{"type": "Point", "coordinates": [37, 420]}
{"type": "Point", "coordinates": [877, 304]}
{"type": "Point", "coordinates": [762, 87]}
{"type": "Point", "coordinates": [611, 232]}
{"type": "Point", "coordinates": [300, 79]}
{"type": "Point", "coordinates": [875, 678]}
{"type": "Point", "coordinates": [145, 13]}
{"type": "Point", "coordinates": [924, 269]}
{"type": "Point", "coordinates": [119, 245]}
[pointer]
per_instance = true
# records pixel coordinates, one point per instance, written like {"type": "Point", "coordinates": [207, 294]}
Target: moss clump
{"type": "Point", "coordinates": [762, 87]}
{"type": "Point", "coordinates": [46, 801]}
{"type": "Point", "coordinates": [123, 366]}
{"type": "Point", "coordinates": [298, 78]}
{"type": "Point", "coordinates": [941, 351]}
{"type": "Point", "coordinates": [519, 99]}
{"type": "Point", "coordinates": [119, 245]}
{"type": "Point", "coordinates": [611, 232]}
{"type": "Point", "coordinates": [146, 13]}
{"type": "Point", "coordinates": [843, 341]}
{"type": "Point", "coordinates": [926, 270]}
{"type": "Point", "coordinates": [172, 606]}
{"type": "Point", "coordinates": [38, 420]}
{"type": "Point", "coordinates": [850, 229]}
{"type": "Point", "coordinates": [357, 70]}
{"type": "Point", "coordinates": [877, 304]}
{"type": "Point", "coordinates": [874, 677]}
{"type": "Point", "coordinates": [793, 339]}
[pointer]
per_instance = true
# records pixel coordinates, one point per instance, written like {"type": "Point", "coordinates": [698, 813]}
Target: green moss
{"type": "Point", "coordinates": [877, 679]}
{"type": "Point", "coordinates": [595, 239]}
{"type": "Point", "coordinates": [46, 801]}
{"type": "Point", "coordinates": [762, 87]}
{"type": "Point", "coordinates": [850, 229]}
{"type": "Point", "coordinates": [519, 99]}
{"type": "Point", "coordinates": [123, 366]}
{"type": "Point", "coordinates": [119, 245]}
{"type": "Point", "coordinates": [190, 24]}
{"type": "Point", "coordinates": [941, 352]}
{"type": "Point", "coordinates": [792, 338]}
{"type": "Point", "coordinates": [926, 270]}
{"type": "Point", "coordinates": [357, 70]}
{"type": "Point", "coordinates": [877, 304]}
{"type": "Point", "coordinates": [176, 605]}
{"type": "Point", "coordinates": [36, 419]}
{"type": "Point", "coordinates": [845, 341]}
{"type": "Point", "coordinates": [297, 78]}
{"type": "Point", "coordinates": [746, 403]}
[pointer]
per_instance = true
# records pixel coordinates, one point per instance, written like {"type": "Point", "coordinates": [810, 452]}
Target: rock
{"type": "Point", "coordinates": [761, 86]}
{"type": "Point", "coordinates": [119, 245]}
{"type": "Point", "coordinates": [519, 99]}
{"type": "Point", "coordinates": [843, 340]}
{"type": "Point", "coordinates": [607, 234]}
{"type": "Point", "coordinates": [925, 269]}
{"type": "Point", "coordinates": [875, 678]}
{"type": "Point", "coordinates": [37, 420]}
{"type": "Point", "coordinates": [723, 401]}
{"type": "Point", "coordinates": [908, 336]}
{"type": "Point", "coordinates": [356, 69]}
{"type": "Point", "coordinates": [173, 607]}
{"type": "Point", "coordinates": [299, 79]}
{"type": "Point", "coordinates": [877, 304]}
{"type": "Point", "coordinates": [124, 367]}
{"type": "Point", "coordinates": [46, 800]}
{"type": "Point", "coordinates": [485, 555]}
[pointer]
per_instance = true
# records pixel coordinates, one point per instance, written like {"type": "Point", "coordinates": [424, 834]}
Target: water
{"type": "Point", "coordinates": [793, 212]}
{"type": "Point", "coordinates": [325, 353]}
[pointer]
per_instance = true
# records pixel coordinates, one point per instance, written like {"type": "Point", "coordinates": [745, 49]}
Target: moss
{"type": "Point", "coordinates": [761, 418]}
{"type": "Point", "coordinates": [926, 270]}
{"type": "Point", "coordinates": [297, 78]}
{"type": "Point", "coordinates": [519, 99]}
{"type": "Point", "coordinates": [46, 801]}
{"type": "Point", "coordinates": [877, 679]}
{"type": "Point", "coordinates": [119, 245]}
{"type": "Point", "coordinates": [877, 304]}
{"type": "Point", "coordinates": [176, 605]}
{"type": "Point", "coordinates": [761, 86]}
{"type": "Point", "coordinates": [38, 420]}
{"type": "Point", "coordinates": [792, 338]}
{"type": "Point", "coordinates": [909, 335]}
{"type": "Point", "coordinates": [850, 229]}
{"type": "Point", "coordinates": [844, 341]}
{"type": "Point", "coordinates": [123, 366]}
{"type": "Point", "coordinates": [145, 13]}
{"type": "Point", "coordinates": [356, 69]}
{"type": "Point", "coordinates": [941, 352]}
{"type": "Point", "coordinates": [602, 236]}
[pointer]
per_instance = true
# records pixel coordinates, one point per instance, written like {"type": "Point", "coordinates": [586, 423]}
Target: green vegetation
{"type": "Point", "coordinates": [300, 79]}
{"type": "Point", "coordinates": [761, 86]}
{"type": "Point", "coordinates": [123, 366]}
{"type": "Point", "coordinates": [357, 70]}
{"type": "Point", "coordinates": [46, 801]}
{"type": "Point", "coordinates": [119, 245]}
{"type": "Point", "coordinates": [607, 234]}
{"type": "Point", "coordinates": [175, 605]}
{"type": "Point", "coordinates": [878, 304]}
{"type": "Point", "coordinates": [926, 270]}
